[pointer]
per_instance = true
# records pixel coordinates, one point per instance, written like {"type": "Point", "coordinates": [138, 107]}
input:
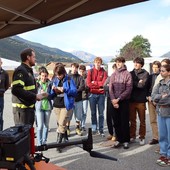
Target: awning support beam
{"type": "Point", "coordinates": [19, 14]}
{"type": "Point", "coordinates": [67, 10]}
{"type": "Point", "coordinates": [26, 10]}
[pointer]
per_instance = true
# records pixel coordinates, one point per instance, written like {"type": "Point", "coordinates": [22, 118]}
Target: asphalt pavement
{"type": "Point", "coordinates": [75, 158]}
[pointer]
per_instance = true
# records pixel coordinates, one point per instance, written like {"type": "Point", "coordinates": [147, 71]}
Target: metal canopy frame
{"type": "Point", "coordinates": [18, 16]}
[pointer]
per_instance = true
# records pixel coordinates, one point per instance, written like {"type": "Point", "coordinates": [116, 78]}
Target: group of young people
{"type": "Point", "coordinates": [127, 94]}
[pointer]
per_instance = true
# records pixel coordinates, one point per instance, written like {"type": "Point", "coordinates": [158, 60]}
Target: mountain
{"type": "Point", "coordinates": [107, 59]}
{"type": "Point", "coordinates": [166, 55]}
{"type": "Point", "coordinates": [88, 57]}
{"type": "Point", "coordinates": [11, 47]}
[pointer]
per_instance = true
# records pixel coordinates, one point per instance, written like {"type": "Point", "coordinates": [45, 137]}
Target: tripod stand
{"type": "Point", "coordinates": [32, 162]}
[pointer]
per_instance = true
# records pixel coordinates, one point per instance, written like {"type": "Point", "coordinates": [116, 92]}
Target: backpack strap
{"type": "Point", "coordinates": [91, 71]}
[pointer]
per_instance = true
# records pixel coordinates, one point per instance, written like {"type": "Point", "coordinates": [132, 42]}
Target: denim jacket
{"type": "Point", "coordinates": [70, 91]}
{"type": "Point", "coordinates": [162, 104]}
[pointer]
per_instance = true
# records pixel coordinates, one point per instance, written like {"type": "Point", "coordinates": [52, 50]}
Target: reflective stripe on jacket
{"type": "Point", "coordinates": [23, 87]}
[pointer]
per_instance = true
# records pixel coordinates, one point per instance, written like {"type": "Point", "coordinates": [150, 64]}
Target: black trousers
{"type": "Point", "coordinates": [109, 117]}
{"type": "Point", "coordinates": [121, 121]}
{"type": "Point", "coordinates": [24, 116]}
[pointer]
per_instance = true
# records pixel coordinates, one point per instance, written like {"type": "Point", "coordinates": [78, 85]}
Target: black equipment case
{"type": "Point", "coordinates": [14, 144]}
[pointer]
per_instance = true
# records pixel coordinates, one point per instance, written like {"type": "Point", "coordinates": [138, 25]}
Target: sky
{"type": "Point", "coordinates": [105, 33]}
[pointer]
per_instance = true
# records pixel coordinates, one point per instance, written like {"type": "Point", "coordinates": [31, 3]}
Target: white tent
{"type": "Point", "coordinates": [9, 64]}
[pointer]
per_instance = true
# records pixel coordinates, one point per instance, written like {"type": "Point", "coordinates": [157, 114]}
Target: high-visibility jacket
{"type": "Point", "coordinates": [23, 87]}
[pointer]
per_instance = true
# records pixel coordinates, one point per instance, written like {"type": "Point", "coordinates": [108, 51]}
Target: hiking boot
{"type": "Point", "coordinates": [59, 140]}
{"type": "Point", "coordinates": [78, 132]}
{"type": "Point", "coordinates": [66, 137]}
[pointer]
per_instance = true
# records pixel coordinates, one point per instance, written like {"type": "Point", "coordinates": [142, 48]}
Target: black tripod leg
{"type": "Point", "coordinates": [29, 162]}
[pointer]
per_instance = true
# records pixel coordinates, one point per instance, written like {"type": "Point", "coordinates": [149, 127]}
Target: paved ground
{"type": "Point", "coordinates": [74, 158]}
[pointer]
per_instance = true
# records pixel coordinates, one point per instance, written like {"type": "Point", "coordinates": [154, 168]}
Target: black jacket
{"type": "Point", "coordinates": [85, 92]}
{"type": "Point", "coordinates": [4, 82]}
{"type": "Point", "coordinates": [23, 87]}
{"type": "Point", "coordinates": [79, 81]}
{"type": "Point", "coordinates": [140, 90]}
{"type": "Point", "coordinates": [151, 82]}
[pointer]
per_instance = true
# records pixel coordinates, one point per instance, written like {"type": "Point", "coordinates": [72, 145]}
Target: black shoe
{"type": "Point", "coordinates": [126, 145]}
{"type": "Point", "coordinates": [153, 142]}
{"type": "Point", "coordinates": [65, 137]}
{"type": "Point", "coordinates": [60, 137]}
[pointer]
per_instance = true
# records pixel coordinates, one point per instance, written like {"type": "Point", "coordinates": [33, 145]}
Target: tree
{"type": "Point", "coordinates": [138, 47]}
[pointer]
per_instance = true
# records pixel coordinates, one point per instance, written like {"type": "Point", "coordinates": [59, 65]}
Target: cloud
{"type": "Point", "coordinates": [158, 34]}
{"type": "Point", "coordinates": [165, 2]}
{"type": "Point", "coordinates": [103, 34]}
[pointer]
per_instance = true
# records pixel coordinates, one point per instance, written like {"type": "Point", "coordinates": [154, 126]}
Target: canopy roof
{"type": "Point", "coordinates": [18, 16]}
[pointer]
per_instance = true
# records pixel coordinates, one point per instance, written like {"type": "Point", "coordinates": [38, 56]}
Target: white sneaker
{"type": "Point", "coordinates": [142, 142]}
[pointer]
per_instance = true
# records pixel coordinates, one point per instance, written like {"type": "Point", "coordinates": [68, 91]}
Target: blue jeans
{"type": "Point", "coordinates": [1, 112]}
{"type": "Point", "coordinates": [42, 118]}
{"type": "Point", "coordinates": [84, 113]}
{"type": "Point", "coordinates": [77, 111]}
{"type": "Point", "coordinates": [97, 101]}
{"type": "Point", "coordinates": [164, 135]}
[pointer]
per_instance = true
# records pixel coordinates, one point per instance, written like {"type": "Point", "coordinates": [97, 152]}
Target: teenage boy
{"type": "Point", "coordinates": [138, 99]}
{"type": "Point", "coordinates": [120, 88]}
{"type": "Point", "coordinates": [95, 81]}
{"type": "Point", "coordinates": [161, 97]}
{"type": "Point", "coordinates": [78, 105]}
{"type": "Point", "coordinates": [85, 93]}
{"type": "Point", "coordinates": [152, 108]}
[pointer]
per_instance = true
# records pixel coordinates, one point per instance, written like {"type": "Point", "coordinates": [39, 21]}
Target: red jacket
{"type": "Point", "coordinates": [95, 80]}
